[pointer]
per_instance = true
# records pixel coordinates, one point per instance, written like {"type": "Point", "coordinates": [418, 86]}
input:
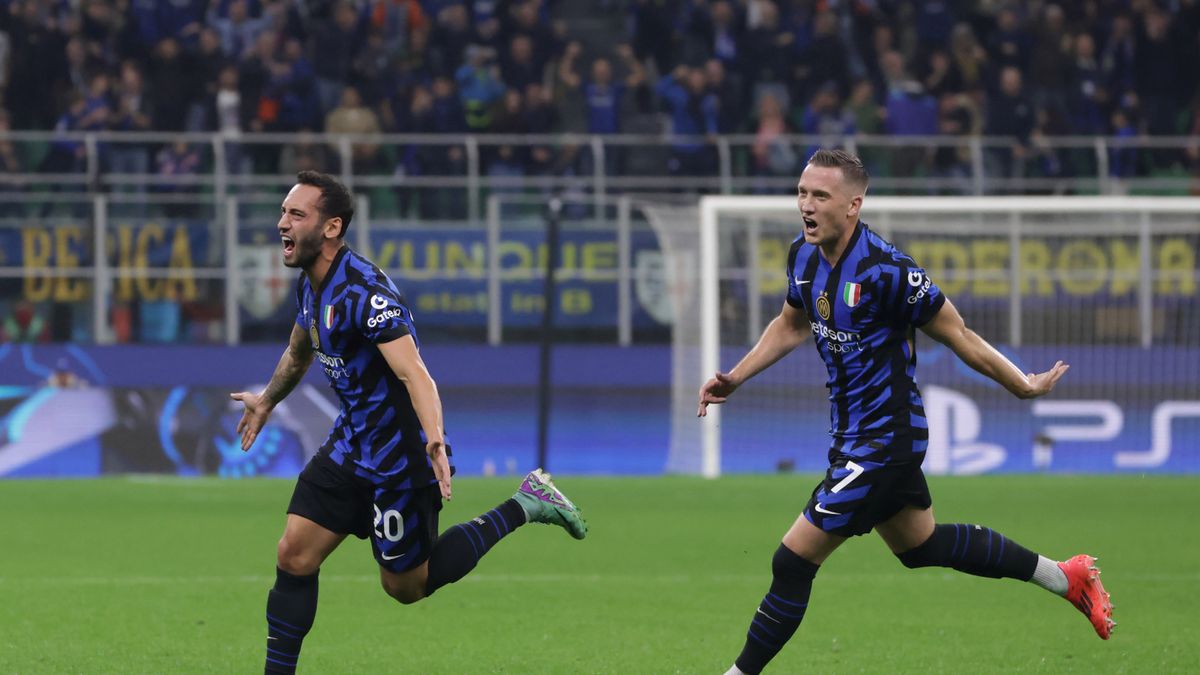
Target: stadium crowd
{"type": "Point", "coordinates": [1018, 69]}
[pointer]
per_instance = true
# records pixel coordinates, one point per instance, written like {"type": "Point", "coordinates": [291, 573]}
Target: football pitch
{"type": "Point", "coordinates": [164, 575]}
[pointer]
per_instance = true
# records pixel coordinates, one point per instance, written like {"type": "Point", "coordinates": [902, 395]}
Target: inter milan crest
{"type": "Point", "coordinates": [823, 306]}
{"type": "Point", "coordinates": [312, 332]}
{"type": "Point", "coordinates": [851, 293]}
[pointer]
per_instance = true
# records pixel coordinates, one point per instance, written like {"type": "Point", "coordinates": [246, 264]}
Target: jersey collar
{"type": "Point", "coordinates": [334, 265]}
{"type": "Point", "coordinates": [859, 226]}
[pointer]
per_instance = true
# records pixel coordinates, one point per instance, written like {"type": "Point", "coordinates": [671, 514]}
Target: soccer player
{"type": "Point", "coordinates": [861, 298]}
{"type": "Point", "coordinates": [385, 467]}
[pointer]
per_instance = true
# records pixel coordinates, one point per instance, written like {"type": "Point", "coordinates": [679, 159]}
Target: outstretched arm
{"type": "Point", "coordinates": [405, 361]}
{"type": "Point", "coordinates": [782, 335]}
{"type": "Point", "coordinates": [566, 66]}
{"type": "Point", "coordinates": [637, 74]}
{"type": "Point", "coordinates": [291, 367]}
{"type": "Point", "coordinates": [948, 328]}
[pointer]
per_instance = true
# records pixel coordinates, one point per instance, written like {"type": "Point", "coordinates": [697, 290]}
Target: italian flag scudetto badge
{"type": "Point", "coordinates": [327, 317]}
{"type": "Point", "coordinates": [851, 293]}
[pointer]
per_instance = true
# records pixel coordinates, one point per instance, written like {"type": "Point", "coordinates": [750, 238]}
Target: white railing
{"type": "Point", "coordinates": [624, 163]}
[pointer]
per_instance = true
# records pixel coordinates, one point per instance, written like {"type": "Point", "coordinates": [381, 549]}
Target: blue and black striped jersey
{"type": "Point", "coordinates": [377, 435]}
{"type": "Point", "coordinates": [863, 312]}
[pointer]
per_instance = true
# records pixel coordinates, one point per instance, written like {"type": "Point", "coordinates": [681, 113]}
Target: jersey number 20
{"type": "Point", "coordinates": [392, 522]}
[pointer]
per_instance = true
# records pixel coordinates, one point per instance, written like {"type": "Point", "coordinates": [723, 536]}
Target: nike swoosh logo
{"type": "Point", "coordinates": [768, 615]}
{"type": "Point", "coordinates": [801, 282]}
{"type": "Point", "coordinates": [390, 557]}
{"type": "Point", "coordinates": [822, 509]}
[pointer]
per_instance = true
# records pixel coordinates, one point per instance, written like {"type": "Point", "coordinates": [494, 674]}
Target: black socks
{"type": "Point", "coordinates": [459, 549]}
{"type": "Point", "coordinates": [291, 606]}
{"type": "Point", "coordinates": [781, 611]}
{"type": "Point", "coordinates": [975, 550]}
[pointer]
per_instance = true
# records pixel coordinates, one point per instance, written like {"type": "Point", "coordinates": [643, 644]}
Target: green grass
{"type": "Point", "coordinates": [171, 576]}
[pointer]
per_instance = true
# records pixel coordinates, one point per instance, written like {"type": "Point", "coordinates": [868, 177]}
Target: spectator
{"type": "Point", "coordinates": [260, 107]}
{"type": "Point", "coordinates": [305, 154]}
{"type": "Point", "coordinates": [768, 52]}
{"type": "Point", "coordinates": [210, 57]}
{"type": "Point", "coordinates": [1122, 159]}
{"type": "Point", "coordinates": [952, 162]}
{"type": "Point", "coordinates": [1009, 43]}
{"type": "Point", "coordinates": [523, 19]}
{"type": "Point", "coordinates": [171, 86]}
{"type": "Point", "coordinates": [772, 152]}
{"type": "Point", "coordinates": [1118, 59]}
{"type": "Point", "coordinates": [1049, 61]}
{"type": "Point", "coordinates": [650, 22]}
{"type": "Point", "coordinates": [728, 94]}
{"type": "Point", "coordinates": [518, 69]}
{"type": "Point", "coordinates": [868, 115]}
{"type": "Point", "coordinates": [436, 110]}
{"type": "Point", "coordinates": [99, 25]}
{"type": "Point", "coordinates": [826, 59]}
{"type": "Point", "coordinates": [352, 117]}
{"type": "Point", "coordinates": [721, 32]}
{"type": "Point", "coordinates": [66, 155]}
{"type": "Point", "coordinates": [479, 87]}
{"type": "Point", "coordinates": [970, 61]}
{"type": "Point", "coordinates": [132, 113]}
{"type": "Point", "coordinates": [940, 77]}
{"type": "Point", "coordinates": [38, 64]}
{"type": "Point", "coordinates": [293, 81]}
{"type": "Point", "coordinates": [79, 66]}
{"type": "Point", "coordinates": [933, 22]}
{"type": "Point", "coordinates": [451, 35]}
{"type": "Point", "coordinates": [335, 42]}
{"type": "Point", "coordinates": [1010, 114]}
{"type": "Point", "coordinates": [602, 97]}
{"type": "Point", "coordinates": [542, 118]}
{"type": "Point", "coordinates": [505, 162]}
{"type": "Point", "coordinates": [230, 115]}
{"type": "Point", "coordinates": [181, 19]}
{"type": "Point", "coordinates": [825, 119]}
{"type": "Point", "coordinates": [178, 163]}
{"type": "Point", "coordinates": [1047, 161]}
{"type": "Point", "coordinates": [1087, 92]}
{"type": "Point", "coordinates": [1161, 82]}
{"type": "Point", "coordinates": [910, 112]}
{"type": "Point", "coordinates": [693, 114]}
{"type": "Point", "coordinates": [397, 21]}
{"type": "Point", "coordinates": [97, 106]}
{"type": "Point", "coordinates": [372, 71]}
{"type": "Point", "coordinates": [238, 31]}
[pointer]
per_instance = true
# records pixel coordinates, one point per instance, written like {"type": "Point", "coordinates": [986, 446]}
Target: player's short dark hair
{"type": "Point", "coordinates": [852, 167]}
{"type": "Point", "coordinates": [335, 201]}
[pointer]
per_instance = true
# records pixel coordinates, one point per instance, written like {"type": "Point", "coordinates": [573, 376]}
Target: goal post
{"type": "Point", "coordinates": [1094, 278]}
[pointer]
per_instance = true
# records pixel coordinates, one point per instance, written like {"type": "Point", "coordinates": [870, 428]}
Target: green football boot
{"type": "Point", "coordinates": [545, 503]}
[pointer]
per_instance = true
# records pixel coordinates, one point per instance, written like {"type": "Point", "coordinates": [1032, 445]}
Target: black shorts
{"type": "Point", "coordinates": [858, 493]}
{"type": "Point", "coordinates": [402, 524]}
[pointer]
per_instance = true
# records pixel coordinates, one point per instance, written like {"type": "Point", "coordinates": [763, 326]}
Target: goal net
{"type": "Point", "coordinates": [1109, 285]}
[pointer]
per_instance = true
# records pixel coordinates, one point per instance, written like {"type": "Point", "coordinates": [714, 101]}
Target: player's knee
{"type": "Point", "coordinates": [295, 559]}
{"type": "Point", "coordinates": [786, 564]}
{"type": "Point", "coordinates": [929, 554]}
{"type": "Point", "coordinates": [403, 592]}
